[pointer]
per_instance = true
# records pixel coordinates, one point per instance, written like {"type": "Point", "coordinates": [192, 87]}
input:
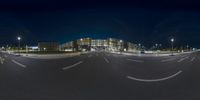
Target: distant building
{"type": "Point", "coordinates": [69, 46]}
{"type": "Point", "coordinates": [84, 44]}
{"type": "Point", "coordinates": [48, 46]}
{"type": "Point", "coordinates": [88, 44]}
{"type": "Point", "coordinates": [131, 47]}
{"type": "Point", "coordinates": [112, 44]}
{"type": "Point", "coordinates": [33, 48]}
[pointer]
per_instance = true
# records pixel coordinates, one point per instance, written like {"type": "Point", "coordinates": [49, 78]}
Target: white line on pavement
{"type": "Point", "coordinates": [166, 60]}
{"type": "Point", "coordinates": [24, 66]}
{"type": "Point", "coordinates": [154, 80]}
{"type": "Point", "coordinates": [2, 60]}
{"type": "Point", "coordinates": [192, 59]}
{"type": "Point", "coordinates": [182, 59]}
{"type": "Point", "coordinates": [135, 60]}
{"type": "Point", "coordinates": [71, 66]}
{"type": "Point", "coordinates": [106, 60]}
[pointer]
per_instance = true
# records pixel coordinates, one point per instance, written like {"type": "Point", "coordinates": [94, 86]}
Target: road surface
{"type": "Point", "coordinates": [100, 76]}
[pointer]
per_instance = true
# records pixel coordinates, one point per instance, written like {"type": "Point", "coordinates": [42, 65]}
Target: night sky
{"type": "Point", "coordinates": [146, 22]}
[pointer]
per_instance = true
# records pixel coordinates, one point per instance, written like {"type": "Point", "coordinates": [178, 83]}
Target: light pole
{"type": "Point", "coordinates": [121, 46]}
{"type": "Point", "coordinates": [26, 50]}
{"type": "Point", "coordinates": [172, 41]}
{"type": "Point", "coordinates": [81, 44]}
{"type": "Point", "coordinates": [139, 46]}
{"type": "Point", "coordinates": [160, 46]}
{"type": "Point", "coordinates": [187, 47]}
{"type": "Point", "coordinates": [19, 38]}
{"type": "Point", "coordinates": [156, 46]}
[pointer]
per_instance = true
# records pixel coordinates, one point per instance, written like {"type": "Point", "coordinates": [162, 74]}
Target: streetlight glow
{"type": "Point", "coordinates": [172, 40]}
{"type": "Point", "coordinates": [19, 38]}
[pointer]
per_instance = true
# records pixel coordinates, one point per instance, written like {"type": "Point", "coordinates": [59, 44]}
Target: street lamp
{"type": "Point", "coordinates": [172, 41]}
{"type": "Point", "coordinates": [81, 44]}
{"type": "Point", "coordinates": [19, 38]}
{"type": "Point", "coordinates": [139, 45]}
{"type": "Point", "coordinates": [156, 46]}
{"type": "Point", "coordinates": [26, 50]}
{"type": "Point", "coordinates": [121, 46]}
{"type": "Point", "coordinates": [187, 47]}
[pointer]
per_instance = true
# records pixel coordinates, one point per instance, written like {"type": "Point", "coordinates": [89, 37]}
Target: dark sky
{"type": "Point", "coordinates": [146, 22]}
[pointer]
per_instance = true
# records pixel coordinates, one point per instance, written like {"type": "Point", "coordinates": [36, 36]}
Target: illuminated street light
{"type": "Point", "coordinates": [26, 50]}
{"type": "Point", "coordinates": [121, 48]}
{"type": "Point", "coordinates": [81, 44]}
{"type": "Point", "coordinates": [156, 46]}
{"type": "Point", "coordinates": [19, 38]}
{"type": "Point", "coordinates": [187, 47]}
{"type": "Point", "coordinates": [172, 41]}
{"type": "Point", "coordinates": [139, 46]}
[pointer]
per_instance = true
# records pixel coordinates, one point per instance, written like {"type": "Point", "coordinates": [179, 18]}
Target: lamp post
{"type": "Point", "coordinates": [81, 44]}
{"type": "Point", "coordinates": [160, 46]}
{"type": "Point", "coordinates": [139, 46]}
{"type": "Point", "coordinates": [121, 46]}
{"type": "Point", "coordinates": [156, 46]}
{"type": "Point", "coordinates": [19, 38]}
{"type": "Point", "coordinates": [187, 47]}
{"type": "Point", "coordinates": [26, 50]}
{"type": "Point", "coordinates": [172, 41]}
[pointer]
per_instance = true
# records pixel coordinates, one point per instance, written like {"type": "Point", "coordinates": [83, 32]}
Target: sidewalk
{"type": "Point", "coordinates": [50, 56]}
{"type": "Point", "coordinates": [149, 54]}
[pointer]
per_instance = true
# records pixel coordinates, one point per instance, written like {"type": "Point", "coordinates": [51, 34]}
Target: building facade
{"type": "Point", "coordinates": [48, 46]}
{"type": "Point", "coordinates": [88, 44]}
{"type": "Point", "coordinates": [131, 47]}
{"type": "Point", "coordinates": [84, 44]}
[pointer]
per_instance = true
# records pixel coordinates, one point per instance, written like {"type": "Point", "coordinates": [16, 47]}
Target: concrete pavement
{"type": "Point", "coordinates": [101, 76]}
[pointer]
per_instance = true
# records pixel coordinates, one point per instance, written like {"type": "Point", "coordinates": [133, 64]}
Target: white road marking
{"type": "Point", "coordinates": [192, 59]}
{"type": "Point", "coordinates": [154, 80]}
{"type": "Point", "coordinates": [106, 60]}
{"type": "Point", "coordinates": [166, 60]}
{"type": "Point", "coordinates": [182, 59]}
{"type": "Point", "coordinates": [2, 60]}
{"type": "Point", "coordinates": [24, 66]}
{"type": "Point", "coordinates": [136, 60]}
{"type": "Point", "coordinates": [71, 66]}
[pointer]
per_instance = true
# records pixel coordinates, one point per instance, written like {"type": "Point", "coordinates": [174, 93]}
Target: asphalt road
{"type": "Point", "coordinates": [100, 76]}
